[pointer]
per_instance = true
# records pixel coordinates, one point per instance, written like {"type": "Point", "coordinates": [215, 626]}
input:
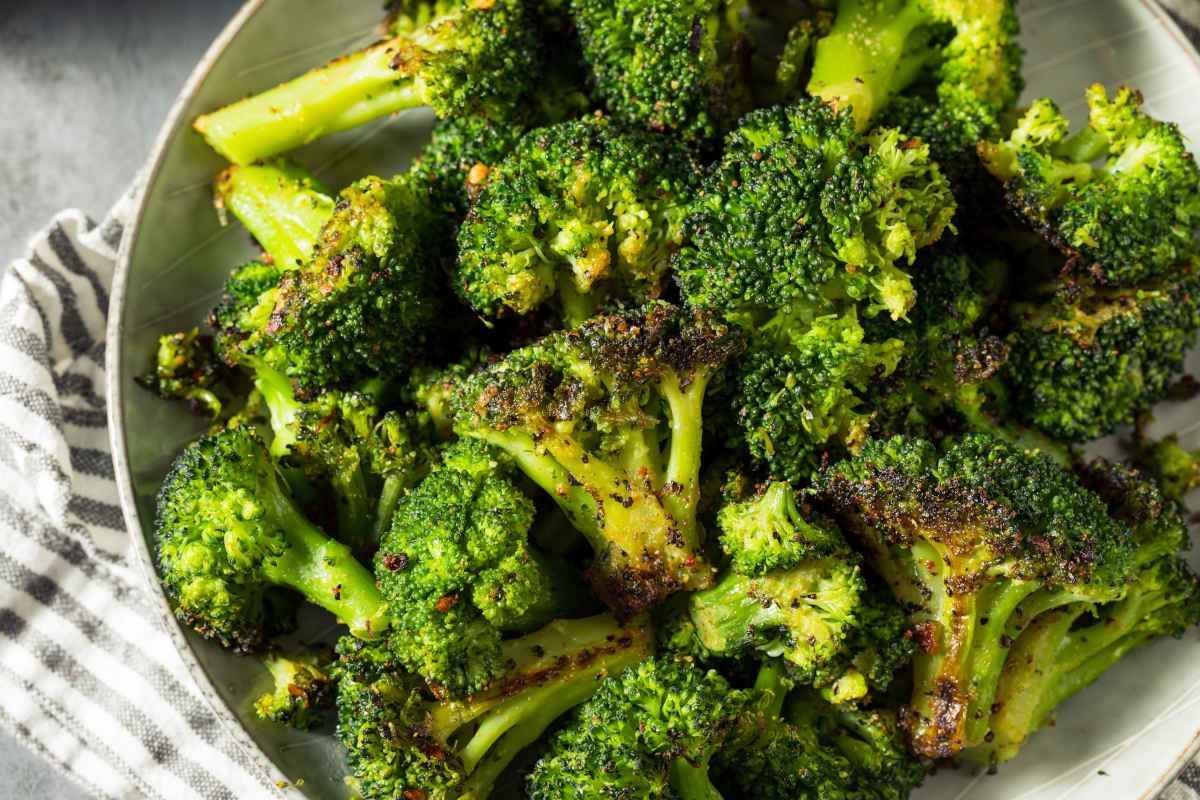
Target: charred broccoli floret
{"type": "Point", "coordinates": [1174, 467]}
{"type": "Point", "coordinates": [227, 531]}
{"type": "Point", "coordinates": [877, 48]}
{"type": "Point", "coordinates": [650, 733]}
{"type": "Point", "coordinates": [607, 418]}
{"type": "Point", "coordinates": [1087, 360]}
{"type": "Point", "coordinates": [186, 368]}
{"type": "Point", "coordinates": [457, 570]}
{"type": "Point", "coordinates": [457, 56]}
{"type": "Point", "coordinates": [580, 212]}
{"type": "Point", "coordinates": [1120, 198]}
{"type": "Point", "coordinates": [303, 688]}
{"type": "Point", "coordinates": [1066, 648]}
{"type": "Point", "coordinates": [975, 543]}
{"type": "Point", "coordinates": [674, 67]}
{"type": "Point", "coordinates": [403, 742]}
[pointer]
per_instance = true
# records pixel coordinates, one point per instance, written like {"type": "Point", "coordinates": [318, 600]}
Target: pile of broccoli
{"type": "Point", "coordinates": [699, 415]}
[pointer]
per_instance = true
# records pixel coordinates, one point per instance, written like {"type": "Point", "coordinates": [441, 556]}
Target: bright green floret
{"type": "Point", "coordinates": [303, 689]}
{"type": "Point", "coordinates": [649, 733]}
{"type": "Point", "coordinates": [1087, 360]}
{"type": "Point", "coordinates": [187, 368]}
{"type": "Point", "coordinates": [974, 543]}
{"type": "Point", "coordinates": [667, 66]}
{"type": "Point", "coordinates": [770, 531]}
{"type": "Point", "coordinates": [607, 418]}
{"type": "Point", "coordinates": [227, 532]}
{"type": "Point", "coordinates": [457, 56]}
{"type": "Point", "coordinates": [405, 743]}
{"type": "Point", "coordinates": [458, 571]}
{"type": "Point", "coordinates": [1121, 198]}
{"type": "Point", "coordinates": [877, 48]}
{"type": "Point", "coordinates": [1064, 650]}
{"type": "Point", "coordinates": [579, 213]}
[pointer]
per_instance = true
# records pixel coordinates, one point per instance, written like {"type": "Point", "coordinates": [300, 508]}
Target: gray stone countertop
{"type": "Point", "coordinates": [84, 85]}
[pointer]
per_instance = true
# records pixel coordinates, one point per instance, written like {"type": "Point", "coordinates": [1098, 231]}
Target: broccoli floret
{"type": "Point", "coordinates": [607, 418]}
{"type": "Point", "coordinates": [430, 390]}
{"type": "Point", "coordinates": [648, 733]}
{"type": "Point", "coordinates": [281, 204]}
{"type": "Point", "coordinates": [402, 450]}
{"type": "Point", "coordinates": [227, 531]}
{"type": "Point", "coordinates": [579, 212]}
{"type": "Point", "coordinates": [303, 688]}
{"type": "Point", "coordinates": [771, 531]}
{"type": "Point", "coordinates": [877, 48]}
{"type": "Point", "coordinates": [186, 368]}
{"type": "Point", "coordinates": [675, 67]}
{"type": "Point", "coordinates": [973, 543]}
{"type": "Point", "coordinates": [404, 743]}
{"type": "Point", "coordinates": [1087, 359]}
{"type": "Point", "coordinates": [457, 569]}
{"type": "Point", "coordinates": [1176, 468]}
{"type": "Point", "coordinates": [1065, 649]}
{"type": "Point", "coordinates": [1130, 217]}
{"type": "Point", "coordinates": [361, 306]}
{"type": "Point", "coordinates": [802, 212]}
{"type": "Point", "coordinates": [457, 56]}
{"type": "Point", "coordinates": [806, 749]}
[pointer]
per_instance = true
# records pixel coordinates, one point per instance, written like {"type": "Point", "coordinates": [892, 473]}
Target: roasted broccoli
{"type": "Point", "coordinates": [405, 743]}
{"type": "Point", "coordinates": [607, 418]}
{"type": "Point", "coordinates": [1121, 198]}
{"type": "Point", "coordinates": [648, 733]}
{"type": "Point", "coordinates": [877, 48]}
{"type": "Point", "coordinates": [1065, 648]}
{"type": "Point", "coordinates": [580, 212]}
{"type": "Point", "coordinates": [282, 205]}
{"type": "Point", "coordinates": [975, 543]}
{"type": "Point", "coordinates": [1176, 468]}
{"type": "Point", "coordinates": [673, 67]}
{"type": "Point", "coordinates": [457, 570]}
{"type": "Point", "coordinates": [186, 367]}
{"type": "Point", "coordinates": [456, 56]}
{"type": "Point", "coordinates": [227, 531]}
{"type": "Point", "coordinates": [303, 688]}
{"type": "Point", "coordinates": [1086, 360]}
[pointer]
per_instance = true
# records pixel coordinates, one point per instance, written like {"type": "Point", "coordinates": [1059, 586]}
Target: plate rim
{"type": "Point", "coordinates": [173, 125]}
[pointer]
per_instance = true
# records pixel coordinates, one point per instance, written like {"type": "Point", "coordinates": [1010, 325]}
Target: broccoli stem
{"type": "Point", "coordinates": [282, 206]}
{"type": "Point", "coordinates": [355, 518]}
{"type": "Point", "coordinates": [770, 680]}
{"type": "Point", "coordinates": [325, 572]}
{"type": "Point", "coordinates": [577, 306]}
{"type": "Point", "coordinates": [1083, 147]}
{"type": "Point", "coordinates": [691, 781]}
{"type": "Point", "coordinates": [389, 495]}
{"type": "Point", "coordinates": [280, 400]}
{"type": "Point", "coordinates": [865, 59]}
{"type": "Point", "coordinates": [343, 94]}
{"type": "Point", "coordinates": [681, 491]}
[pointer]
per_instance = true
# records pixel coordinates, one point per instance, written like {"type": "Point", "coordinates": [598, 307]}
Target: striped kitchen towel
{"type": "Point", "coordinates": [88, 675]}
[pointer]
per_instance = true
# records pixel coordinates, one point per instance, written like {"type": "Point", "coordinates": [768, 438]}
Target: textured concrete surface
{"type": "Point", "coordinates": [84, 85]}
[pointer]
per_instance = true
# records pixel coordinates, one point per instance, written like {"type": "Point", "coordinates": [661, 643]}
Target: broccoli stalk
{"type": "Point", "coordinates": [404, 743]}
{"type": "Point", "coordinates": [282, 205]}
{"type": "Point", "coordinates": [454, 56]}
{"type": "Point", "coordinates": [303, 688]}
{"type": "Point", "coordinates": [584, 414]}
{"type": "Point", "coordinates": [975, 544]}
{"type": "Point", "coordinates": [227, 531]}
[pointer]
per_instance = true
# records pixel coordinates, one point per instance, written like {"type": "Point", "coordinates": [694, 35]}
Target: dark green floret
{"type": "Point", "coordinates": [580, 213]}
{"type": "Point", "coordinates": [1174, 467]}
{"type": "Point", "coordinates": [667, 66]}
{"type": "Point", "coordinates": [187, 368]}
{"type": "Point", "coordinates": [1065, 649]}
{"type": "Point", "coordinates": [648, 733]}
{"type": "Point", "coordinates": [405, 743]}
{"type": "Point", "coordinates": [607, 418]}
{"type": "Point", "coordinates": [303, 688]}
{"type": "Point", "coordinates": [877, 48]}
{"type": "Point", "coordinates": [975, 543]}
{"type": "Point", "coordinates": [457, 570]}
{"type": "Point", "coordinates": [803, 748]}
{"type": "Point", "coordinates": [1121, 198]}
{"type": "Point", "coordinates": [227, 532]}
{"type": "Point", "coordinates": [1087, 360]}
{"type": "Point", "coordinates": [456, 56]}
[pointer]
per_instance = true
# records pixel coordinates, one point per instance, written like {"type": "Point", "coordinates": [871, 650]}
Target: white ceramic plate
{"type": "Point", "coordinates": [1126, 737]}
